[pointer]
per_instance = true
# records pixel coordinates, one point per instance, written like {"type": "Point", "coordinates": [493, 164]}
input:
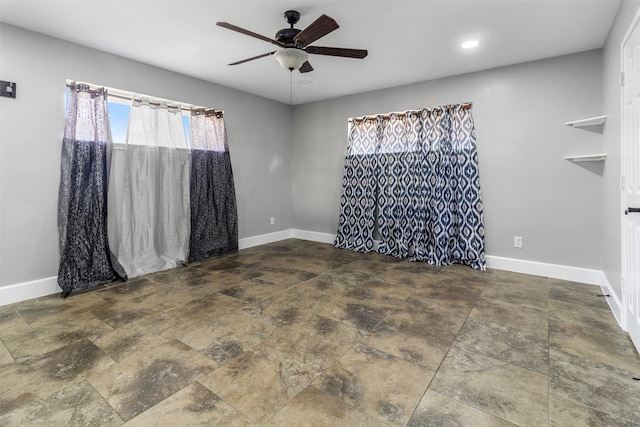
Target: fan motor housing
{"type": "Point", "coordinates": [286, 35]}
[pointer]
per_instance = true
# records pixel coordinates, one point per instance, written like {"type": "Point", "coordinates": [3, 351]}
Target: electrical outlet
{"type": "Point", "coordinates": [273, 220]}
{"type": "Point", "coordinates": [517, 241]}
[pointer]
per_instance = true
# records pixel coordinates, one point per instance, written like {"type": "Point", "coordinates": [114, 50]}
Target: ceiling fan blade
{"type": "Point", "coordinates": [248, 33]}
{"type": "Point", "coordinates": [252, 58]}
{"type": "Point", "coordinates": [318, 28]}
{"type": "Point", "coordinates": [306, 67]}
{"type": "Point", "coordinates": [337, 51]}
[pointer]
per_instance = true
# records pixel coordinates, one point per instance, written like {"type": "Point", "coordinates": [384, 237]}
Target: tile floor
{"type": "Point", "coordinates": [297, 333]}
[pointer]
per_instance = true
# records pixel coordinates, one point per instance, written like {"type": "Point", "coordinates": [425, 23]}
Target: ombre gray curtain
{"type": "Point", "coordinates": [85, 258]}
{"type": "Point", "coordinates": [214, 215]}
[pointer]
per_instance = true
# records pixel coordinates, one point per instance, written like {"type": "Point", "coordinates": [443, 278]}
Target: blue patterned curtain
{"type": "Point", "coordinates": [85, 257]}
{"type": "Point", "coordinates": [214, 215]}
{"type": "Point", "coordinates": [425, 199]}
{"type": "Point", "coordinates": [359, 188]}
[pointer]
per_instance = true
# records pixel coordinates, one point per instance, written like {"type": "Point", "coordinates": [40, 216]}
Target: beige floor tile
{"type": "Point", "coordinates": [224, 278]}
{"type": "Point", "coordinates": [129, 340]}
{"type": "Point", "coordinates": [356, 312]}
{"type": "Point", "coordinates": [187, 277]}
{"type": "Point", "coordinates": [312, 407]}
{"type": "Point", "coordinates": [531, 294]}
{"type": "Point", "coordinates": [433, 313]}
{"type": "Point", "coordinates": [601, 387]}
{"type": "Point", "coordinates": [319, 288]}
{"type": "Point", "coordinates": [411, 340]}
{"type": "Point", "coordinates": [454, 290]}
{"type": "Point", "coordinates": [316, 348]}
{"type": "Point", "coordinates": [119, 311]}
{"type": "Point", "coordinates": [530, 319]}
{"type": "Point", "coordinates": [577, 293]}
{"type": "Point", "coordinates": [247, 259]}
{"type": "Point", "coordinates": [463, 275]}
{"type": "Point", "coordinates": [194, 405]}
{"type": "Point", "coordinates": [316, 325]}
{"type": "Point", "coordinates": [412, 274]}
{"type": "Point", "coordinates": [462, 269]}
{"type": "Point", "coordinates": [183, 293]}
{"type": "Point", "coordinates": [5, 356]}
{"type": "Point", "coordinates": [289, 274]}
{"type": "Point", "coordinates": [371, 266]}
{"type": "Point", "coordinates": [367, 304]}
{"type": "Point", "coordinates": [228, 336]}
{"type": "Point", "coordinates": [299, 333]}
{"type": "Point", "coordinates": [76, 405]}
{"type": "Point", "coordinates": [506, 391]}
{"type": "Point", "coordinates": [39, 376]}
{"type": "Point", "coordinates": [515, 346]}
{"type": "Point", "coordinates": [505, 277]}
{"type": "Point", "coordinates": [564, 413]}
{"type": "Point", "coordinates": [344, 278]}
{"type": "Point", "coordinates": [20, 305]}
{"type": "Point", "coordinates": [160, 323]}
{"type": "Point", "coordinates": [144, 380]}
{"type": "Point", "coordinates": [592, 333]}
{"type": "Point", "coordinates": [53, 308]}
{"type": "Point", "coordinates": [12, 323]}
{"type": "Point", "coordinates": [254, 291]}
{"type": "Point", "coordinates": [52, 336]}
{"type": "Point", "coordinates": [197, 313]}
{"type": "Point", "coordinates": [260, 382]}
{"type": "Point", "coordinates": [308, 264]}
{"type": "Point", "coordinates": [383, 293]}
{"type": "Point", "coordinates": [129, 290]}
{"type": "Point", "coordinates": [377, 383]}
{"type": "Point", "coordinates": [436, 409]}
{"type": "Point", "coordinates": [283, 310]}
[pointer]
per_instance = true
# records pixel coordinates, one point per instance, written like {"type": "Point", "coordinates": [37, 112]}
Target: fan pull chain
{"type": "Point", "coordinates": [291, 87]}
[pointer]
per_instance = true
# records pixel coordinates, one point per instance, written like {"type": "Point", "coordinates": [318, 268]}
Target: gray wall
{"type": "Point", "coordinates": [32, 125]}
{"type": "Point", "coordinates": [288, 162]}
{"type": "Point", "coordinates": [528, 188]}
{"type": "Point", "coordinates": [612, 104]}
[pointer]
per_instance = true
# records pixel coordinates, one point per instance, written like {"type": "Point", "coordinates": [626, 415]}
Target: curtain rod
{"type": "Point", "coordinates": [129, 96]}
{"type": "Point", "coordinates": [464, 105]}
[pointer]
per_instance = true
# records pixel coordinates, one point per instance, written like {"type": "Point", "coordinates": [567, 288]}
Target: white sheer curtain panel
{"type": "Point", "coordinates": [155, 206]}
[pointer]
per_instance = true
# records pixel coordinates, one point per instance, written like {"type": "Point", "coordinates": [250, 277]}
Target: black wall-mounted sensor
{"type": "Point", "coordinates": [7, 89]}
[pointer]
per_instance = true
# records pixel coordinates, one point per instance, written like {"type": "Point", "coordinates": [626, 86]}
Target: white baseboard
{"type": "Point", "coordinates": [263, 239]}
{"type": "Point", "coordinates": [37, 288]}
{"type": "Point", "coordinates": [614, 302]}
{"type": "Point", "coordinates": [554, 271]}
{"type": "Point", "coordinates": [29, 290]}
{"type": "Point", "coordinates": [314, 236]}
{"type": "Point", "coordinates": [292, 233]}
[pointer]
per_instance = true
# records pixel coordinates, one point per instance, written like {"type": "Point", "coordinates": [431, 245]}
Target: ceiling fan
{"type": "Point", "coordinates": [294, 43]}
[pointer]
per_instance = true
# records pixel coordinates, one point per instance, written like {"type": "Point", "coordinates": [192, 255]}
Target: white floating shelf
{"type": "Point", "coordinates": [587, 158]}
{"type": "Point", "coordinates": [592, 121]}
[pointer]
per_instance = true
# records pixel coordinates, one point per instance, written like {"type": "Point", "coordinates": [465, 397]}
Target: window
{"type": "Point", "coordinates": [119, 110]}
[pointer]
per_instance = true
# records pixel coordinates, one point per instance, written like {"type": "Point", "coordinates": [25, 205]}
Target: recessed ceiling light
{"type": "Point", "coordinates": [470, 44]}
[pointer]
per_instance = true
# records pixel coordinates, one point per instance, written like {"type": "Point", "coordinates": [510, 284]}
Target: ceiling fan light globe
{"type": "Point", "coordinates": [291, 58]}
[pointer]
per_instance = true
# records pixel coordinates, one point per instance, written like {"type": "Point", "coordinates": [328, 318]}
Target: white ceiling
{"type": "Point", "coordinates": [408, 40]}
